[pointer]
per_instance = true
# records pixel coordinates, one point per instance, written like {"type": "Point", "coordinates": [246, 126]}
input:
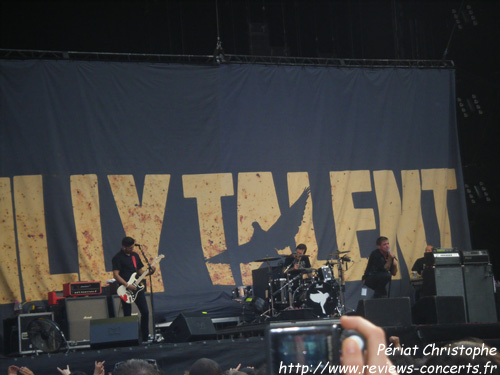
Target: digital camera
{"type": "Point", "coordinates": [305, 347]}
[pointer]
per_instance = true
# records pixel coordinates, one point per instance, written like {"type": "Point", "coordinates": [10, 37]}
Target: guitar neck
{"type": "Point", "coordinates": [144, 274]}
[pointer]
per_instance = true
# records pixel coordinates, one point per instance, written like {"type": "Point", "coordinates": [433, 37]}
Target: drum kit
{"type": "Point", "coordinates": [315, 289]}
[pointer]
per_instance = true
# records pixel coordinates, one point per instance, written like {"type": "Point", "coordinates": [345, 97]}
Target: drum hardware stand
{"type": "Point", "coordinates": [289, 283]}
{"type": "Point", "coordinates": [271, 295]}
{"type": "Point", "coordinates": [344, 260]}
{"type": "Point", "coordinates": [268, 259]}
{"type": "Point", "coordinates": [342, 287]}
{"type": "Point", "coordinates": [340, 261]}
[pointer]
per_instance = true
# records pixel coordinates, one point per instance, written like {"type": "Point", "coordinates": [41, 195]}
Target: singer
{"type": "Point", "coordinates": [125, 263]}
{"type": "Point", "coordinates": [382, 265]}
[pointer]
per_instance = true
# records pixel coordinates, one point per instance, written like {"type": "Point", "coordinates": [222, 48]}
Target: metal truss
{"type": "Point", "coordinates": [221, 58]}
{"type": "Point", "coordinates": [337, 62]}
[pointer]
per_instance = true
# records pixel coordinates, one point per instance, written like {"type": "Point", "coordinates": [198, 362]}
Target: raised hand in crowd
{"type": "Point", "coordinates": [394, 340]}
{"type": "Point", "coordinates": [233, 370]}
{"type": "Point", "coordinates": [14, 370]}
{"type": "Point", "coordinates": [99, 368]}
{"type": "Point", "coordinates": [65, 371]}
{"type": "Point", "coordinates": [248, 370]}
{"type": "Point", "coordinates": [374, 337]}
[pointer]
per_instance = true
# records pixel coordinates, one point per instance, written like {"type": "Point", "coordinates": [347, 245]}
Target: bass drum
{"type": "Point", "coordinates": [322, 298]}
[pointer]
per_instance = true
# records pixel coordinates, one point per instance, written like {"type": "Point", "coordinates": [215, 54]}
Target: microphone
{"type": "Point", "coordinates": [136, 244]}
{"type": "Point", "coordinates": [389, 251]}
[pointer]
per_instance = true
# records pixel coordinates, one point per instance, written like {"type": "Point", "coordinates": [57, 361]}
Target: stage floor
{"type": "Point", "coordinates": [242, 343]}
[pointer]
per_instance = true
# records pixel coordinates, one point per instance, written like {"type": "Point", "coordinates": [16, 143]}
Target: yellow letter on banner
{"type": "Point", "coordinates": [85, 200]}
{"type": "Point", "coordinates": [350, 220]}
{"type": "Point", "coordinates": [143, 221]}
{"type": "Point", "coordinates": [401, 221]}
{"type": "Point", "coordinates": [297, 182]}
{"type": "Point", "coordinates": [10, 287]}
{"type": "Point", "coordinates": [440, 181]}
{"type": "Point", "coordinates": [32, 240]}
{"type": "Point", "coordinates": [257, 202]}
{"type": "Point", "coordinates": [208, 190]}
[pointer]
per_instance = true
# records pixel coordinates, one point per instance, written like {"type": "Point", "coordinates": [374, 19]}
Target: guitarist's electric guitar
{"type": "Point", "coordinates": [128, 295]}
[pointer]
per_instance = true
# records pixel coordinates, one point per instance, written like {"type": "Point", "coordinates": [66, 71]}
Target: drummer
{"type": "Point", "coordinates": [297, 261]}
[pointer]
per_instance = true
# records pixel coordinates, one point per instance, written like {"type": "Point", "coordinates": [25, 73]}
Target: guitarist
{"type": "Point", "coordinates": [125, 263]}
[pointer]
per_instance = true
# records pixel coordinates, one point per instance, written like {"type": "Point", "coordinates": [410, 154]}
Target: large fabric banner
{"type": "Point", "coordinates": [216, 167]}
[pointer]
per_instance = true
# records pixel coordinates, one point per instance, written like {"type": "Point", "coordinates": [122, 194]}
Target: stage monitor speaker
{"type": "Point", "coordinates": [191, 326]}
{"type": "Point", "coordinates": [480, 293]}
{"type": "Point", "coordinates": [118, 310]}
{"type": "Point", "coordinates": [16, 339]}
{"type": "Point", "coordinates": [79, 312]}
{"type": "Point", "coordinates": [386, 312]}
{"type": "Point", "coordinates": [114, 332]}
{"type": "Point", "coordinates": [297, 314]}
{"type": "Point", "coordinates": [439, 310]}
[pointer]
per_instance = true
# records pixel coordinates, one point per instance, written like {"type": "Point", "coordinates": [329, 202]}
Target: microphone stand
{"type": "Point", "coordinates": [342, 285]}
{"type": "Point", "coordinates": [390, 280]}
{"type": "Point", "coordinates": [150, 269]}
{"type": "Point", "coordinates": [290, 302]}
{"type": "Point", "coordinates": [271, 294]}
{"type": "Point", "coordinates": [288, 282]}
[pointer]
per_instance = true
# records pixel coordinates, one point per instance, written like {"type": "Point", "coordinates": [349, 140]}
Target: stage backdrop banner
{"type": "Point", "coordinates": [216, 167]}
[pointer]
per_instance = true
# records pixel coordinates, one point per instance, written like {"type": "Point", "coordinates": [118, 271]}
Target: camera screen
{"type": "Point", "coordinates": [304, 346]}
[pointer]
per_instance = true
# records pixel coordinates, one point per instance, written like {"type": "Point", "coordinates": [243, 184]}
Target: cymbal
{"type": "Point", "coordinates": [296, 256]}
{"type": "Point", "coordinates": [266, 259]}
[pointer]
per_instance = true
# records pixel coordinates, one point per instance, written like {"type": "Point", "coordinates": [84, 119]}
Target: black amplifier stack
{"type": "Point", "coordinates": [467, 274]}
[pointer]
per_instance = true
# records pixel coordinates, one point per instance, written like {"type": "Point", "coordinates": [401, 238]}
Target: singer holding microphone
{"type": "Point", "coordinates": [125, 263]}
{"type": "Point", "coordinates": [382, 265]}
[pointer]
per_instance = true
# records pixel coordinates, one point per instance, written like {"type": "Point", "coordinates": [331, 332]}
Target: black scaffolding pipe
{"type": "Point", "coordinates": [225, 59]}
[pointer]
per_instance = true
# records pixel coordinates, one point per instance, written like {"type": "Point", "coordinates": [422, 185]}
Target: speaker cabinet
{"type": "Point", "coordinates": [298, 314]}
{"type": "Point", "coordinates": [118, 310]}
{"type": "Point", "coordinates": [114, 332]}
{"type": "Point", "coordinates": [439, 310]}
{"type": "Point", "coordinates": [443, 281]}
{"type": "Point", "coordinates": [386, 312]}
{"type": "Point", "coordinates": [191, 326]}
{"type": "Point", "coordinates": [480, 293]}
{"type": "Point", "coordinates": [260, 280]}
{"type": "Point", "coordinates": [79, 312]}
{"type": "Point", "coordinates": [16, 340]}
{"type": "Point", "coordinates": [497, 303]}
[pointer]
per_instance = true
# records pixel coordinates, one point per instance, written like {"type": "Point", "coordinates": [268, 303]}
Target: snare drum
{"type": "Point", "coordinates": [325, 274]}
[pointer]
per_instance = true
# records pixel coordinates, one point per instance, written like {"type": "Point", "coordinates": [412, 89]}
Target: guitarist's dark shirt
{"type": "Point", "coordinates": [123, 263]}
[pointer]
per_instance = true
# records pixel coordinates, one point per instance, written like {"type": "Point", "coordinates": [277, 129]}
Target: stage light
{"type": "Point", "coordinates": [464, 16]}
{"type": "Point", "coordinates": [473, 106]}
{"type": "Point", "coordinates": [478, 192]}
